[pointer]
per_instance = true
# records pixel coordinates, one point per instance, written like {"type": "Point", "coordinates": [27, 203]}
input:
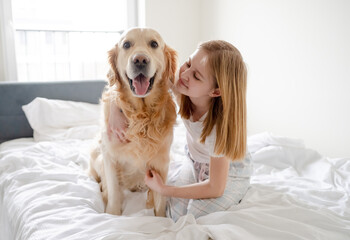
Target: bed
{"type": "Point", "coordinates": [47, 130]}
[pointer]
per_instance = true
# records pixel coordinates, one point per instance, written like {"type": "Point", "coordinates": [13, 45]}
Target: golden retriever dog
{"type": "Point", "coordinates": [141, 67]}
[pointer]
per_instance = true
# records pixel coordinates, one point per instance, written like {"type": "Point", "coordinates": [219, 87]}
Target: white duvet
{"type": "Point", "coordinates": [45, 193]}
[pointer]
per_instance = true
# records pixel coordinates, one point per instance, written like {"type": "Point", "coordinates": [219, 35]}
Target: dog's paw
{"type": "Point", "coordinates": [159, 212]}
{"type": "Point", "coordinates": [113, 210]}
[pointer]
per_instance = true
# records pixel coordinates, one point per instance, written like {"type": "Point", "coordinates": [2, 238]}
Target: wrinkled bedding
{"type": "Point", "coordinates": [46, 193]}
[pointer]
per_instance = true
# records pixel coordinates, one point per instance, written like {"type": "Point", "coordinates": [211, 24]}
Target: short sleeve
{"type": "Point", "coordinates": [210, 145]}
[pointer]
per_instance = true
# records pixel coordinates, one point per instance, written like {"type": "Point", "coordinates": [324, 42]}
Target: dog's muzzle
{"type": "Point", "coordinates": [140, 83]}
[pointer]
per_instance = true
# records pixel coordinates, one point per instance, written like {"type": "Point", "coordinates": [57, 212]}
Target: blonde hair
{"type": "Point", "coordinates": [227, 112]}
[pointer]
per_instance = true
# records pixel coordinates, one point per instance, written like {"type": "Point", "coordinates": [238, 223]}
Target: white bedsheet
{"type": "Point", "coordinates": [296, 193]}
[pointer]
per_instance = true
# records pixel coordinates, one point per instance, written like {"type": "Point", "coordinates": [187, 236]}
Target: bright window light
{"type": "Point", "coordinates": [66, 39]}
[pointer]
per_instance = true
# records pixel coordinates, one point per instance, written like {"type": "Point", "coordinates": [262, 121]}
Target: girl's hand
{"type": "Point", "coordinates": [117, 124]}
{"type": "Point", "coordinates": [154, 181]}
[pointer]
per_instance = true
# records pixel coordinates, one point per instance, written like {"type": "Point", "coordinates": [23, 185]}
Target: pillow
{"type": "Point", "coordinates": [59, 119]}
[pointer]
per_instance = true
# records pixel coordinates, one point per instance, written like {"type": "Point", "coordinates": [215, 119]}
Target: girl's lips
{"type": "Point", "coordinates": [182, 83]}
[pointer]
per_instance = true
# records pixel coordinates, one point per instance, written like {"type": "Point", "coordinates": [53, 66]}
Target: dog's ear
{"type": "Point", "coordinates": [171, 62]}
{"type": "Point", "coordinates": [113, 75]}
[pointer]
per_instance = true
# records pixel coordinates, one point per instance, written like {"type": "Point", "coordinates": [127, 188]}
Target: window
{"type": "Point", "coordinates": [66, 39]}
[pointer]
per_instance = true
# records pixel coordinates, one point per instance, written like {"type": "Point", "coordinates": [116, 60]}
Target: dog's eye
{"type": "Point", "coordinates": [126, 45]}
{"type": "Point", "coordinates": [154, 44]}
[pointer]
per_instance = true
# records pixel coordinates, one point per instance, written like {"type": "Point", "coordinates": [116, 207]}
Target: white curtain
{"type": "Point", "coordinates": [8, 67]}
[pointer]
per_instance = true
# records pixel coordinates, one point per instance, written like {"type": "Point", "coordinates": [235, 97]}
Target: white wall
{"type": "Point", "coordinates": [2, 69]}
{"type": "Point", "coordinates": [298, 57]}
{"type": "Point", "coordinates": [177, 21]}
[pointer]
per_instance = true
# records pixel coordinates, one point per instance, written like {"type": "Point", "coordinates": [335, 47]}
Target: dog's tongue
{"type": "Point", "coordinates": [141, 84]}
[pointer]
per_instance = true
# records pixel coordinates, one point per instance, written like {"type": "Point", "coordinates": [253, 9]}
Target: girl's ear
{"type": "Point", "coordinates": [113, 75]}
{"type": "Point", "coordinates": [215, 93]}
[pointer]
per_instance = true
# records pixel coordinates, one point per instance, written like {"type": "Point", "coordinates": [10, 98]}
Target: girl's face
{"type": "Point", "coordinates": [195, 79]}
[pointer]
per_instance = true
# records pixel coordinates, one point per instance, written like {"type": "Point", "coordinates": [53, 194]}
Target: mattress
{"type": "Point", "coordinates": [46, 192]}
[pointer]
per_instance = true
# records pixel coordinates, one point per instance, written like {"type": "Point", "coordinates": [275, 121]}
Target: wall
{"type": "Point", "coordinates": [2, 70]}
{"type": "Point", "coordinates": [177, 21]}
{"type": "Point", "coordinates": [298, 57]}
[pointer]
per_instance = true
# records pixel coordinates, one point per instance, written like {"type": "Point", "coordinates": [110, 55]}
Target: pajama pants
{"type": "Point", "coordinates": [237, 184]}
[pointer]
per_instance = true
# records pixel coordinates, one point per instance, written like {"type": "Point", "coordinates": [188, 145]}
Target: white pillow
{"type": "Point", "coordinates": [58, 119]}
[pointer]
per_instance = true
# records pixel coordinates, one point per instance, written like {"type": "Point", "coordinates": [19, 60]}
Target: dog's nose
{"type": "Point", "coordinates": [140, 60]}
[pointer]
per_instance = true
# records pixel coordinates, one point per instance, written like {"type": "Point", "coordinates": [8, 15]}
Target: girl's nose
{"type": "Point", "coordinates": [184, 75]}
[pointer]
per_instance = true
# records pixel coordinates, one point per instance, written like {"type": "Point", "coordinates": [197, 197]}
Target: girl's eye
{"type": "Point", "coordinates": [126, 45]}
{"type": "Point", "coordinates": [195, 76]}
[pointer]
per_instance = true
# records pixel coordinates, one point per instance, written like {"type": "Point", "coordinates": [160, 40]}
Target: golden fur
{"type": "Point", "coordinates": [151, 116]}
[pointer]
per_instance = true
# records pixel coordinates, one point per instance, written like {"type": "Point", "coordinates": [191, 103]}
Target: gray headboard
{"type": "Point", "coordinates": [13, 123]}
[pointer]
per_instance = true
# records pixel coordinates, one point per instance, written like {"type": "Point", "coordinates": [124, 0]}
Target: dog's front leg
{"type": "Point", "coordinates": [159, 201]}
{"type": "Point", "coordinates": [115, 195]}
{"type": "Point", "coordinates": [159, 204]}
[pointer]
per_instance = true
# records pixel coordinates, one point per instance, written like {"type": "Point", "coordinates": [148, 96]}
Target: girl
{"type": "Point", "coordinates": [211, 94]}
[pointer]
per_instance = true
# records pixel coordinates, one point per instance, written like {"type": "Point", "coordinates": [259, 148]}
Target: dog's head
{"type": "Point", "coordinates": [141, 60]}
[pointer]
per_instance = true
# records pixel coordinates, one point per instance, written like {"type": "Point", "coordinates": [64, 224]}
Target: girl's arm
{"type": "Point", "coordinates": [211, 188]}
{"type": "Point", "coordinates": [117, 124]}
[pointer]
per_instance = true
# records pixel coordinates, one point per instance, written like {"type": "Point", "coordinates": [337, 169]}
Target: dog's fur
{"type": "Point", "coordinates": [151, 116]}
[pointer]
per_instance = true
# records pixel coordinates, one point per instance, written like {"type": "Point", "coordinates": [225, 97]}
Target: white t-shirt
{"type": "Point", "coordinates": [200, 152]}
